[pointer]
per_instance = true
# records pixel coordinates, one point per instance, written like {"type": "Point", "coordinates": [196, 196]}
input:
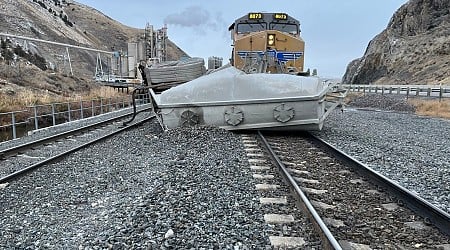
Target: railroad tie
{"type": "Point", "coordinates": [254, 155]}
{"type": "Point", "coordinates": [286, 163]}
{"type": "Point", "coordinates": [299, 172]}
{"type": "Point", "coordinates": [278, 218]}
{"type": "Point", "coordinates": [322, 205]}
{"type": "Point", "coordinates": [252, 150]}
{"type": "Point", "coordinates": [259, 168]}
{"type": "Point", "coordinates": [314, 191]}
{"type": "Point", "coordinates": [266, 187]}
{"type": "Point", "coordinates": [280, 241]}
{"type": "Point", "coordinates": [263, 176]}
{"type": "Point", "coordinates": [309, 181]}
{"type": "Point", "coordinates": [256, 161]}
{"type": "Point", "coordinates": [277, 200]}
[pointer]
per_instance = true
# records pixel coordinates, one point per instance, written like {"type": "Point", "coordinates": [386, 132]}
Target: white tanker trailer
{"type": "Point", "coordinates": [233, 100]}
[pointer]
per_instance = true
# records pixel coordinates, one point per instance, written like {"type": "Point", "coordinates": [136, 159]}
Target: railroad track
{"type": "Point", "coordinates": [348, 205]}
{"type": "Point", "coordinates": [21, 159]}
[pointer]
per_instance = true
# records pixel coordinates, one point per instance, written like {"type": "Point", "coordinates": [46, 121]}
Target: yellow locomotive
{"type": "Point", "coordinates": [267, 43]}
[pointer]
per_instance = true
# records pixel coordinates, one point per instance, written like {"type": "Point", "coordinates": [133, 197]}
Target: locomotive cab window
{"type": "Point", "coordinates": [248, 27]}
{"type": "Point", "coordinates": [285, 27]}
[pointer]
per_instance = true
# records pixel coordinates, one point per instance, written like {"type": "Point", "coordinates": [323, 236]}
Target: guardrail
{"type": "Point", "coordinates": [408, 90]}
{"type": "Point", "coordinates": [17, 123]}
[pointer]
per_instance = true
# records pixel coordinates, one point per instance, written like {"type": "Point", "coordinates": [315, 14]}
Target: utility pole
{"type": "Point", "coordinates": [70, 63]}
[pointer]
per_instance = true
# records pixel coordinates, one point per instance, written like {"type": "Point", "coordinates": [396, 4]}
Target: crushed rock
{"type": "Point", "coordinates": [383, 102]}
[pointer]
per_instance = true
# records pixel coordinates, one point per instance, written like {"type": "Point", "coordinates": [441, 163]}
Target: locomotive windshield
{"type": "Point", "coordinates": [284, 27]}
{"type": "Point", "coordinates": [251, 27]}
{"type": "Point", "coordinates": [255, 22]}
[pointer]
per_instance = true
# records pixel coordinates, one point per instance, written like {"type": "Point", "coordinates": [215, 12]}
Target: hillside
{"type": "Point", "coordinates": [61, 21]}
{"type": "Point", "coordinates": [413, 49]}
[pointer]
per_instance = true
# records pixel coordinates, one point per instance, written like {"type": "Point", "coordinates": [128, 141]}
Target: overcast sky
{"type": "Point", "coordinates": [335, 32]}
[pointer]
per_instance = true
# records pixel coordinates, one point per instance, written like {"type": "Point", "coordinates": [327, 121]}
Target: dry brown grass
{"type": "Point", "coordinates": [21, 99]}
{"type": "Point", "coordinates": [433, 108]}
{"type": "Point", "coordinates": [352, 96]}
{"type": "Point", "coordinates": [425, 107]}
{"type": "Point", "coordinates": [96, 93]}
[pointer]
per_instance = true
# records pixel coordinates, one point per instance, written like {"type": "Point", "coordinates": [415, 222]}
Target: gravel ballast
{"type": "Point", "coordinates": [144, 189]}
{"type": "Point", "coordinates": [409, 149]}
{"type": "Point", "coordinates": [354, 210]}
{"type": "Point", "coordinates": [193, 188]}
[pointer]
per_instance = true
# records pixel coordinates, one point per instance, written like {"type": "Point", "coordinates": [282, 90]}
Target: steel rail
{"type": "Point", "coordinates": [28, 169]}
{"type": "Point", "coordinates": [327, 237]}
{"type": "Point", "coordinates": [425, 209]}
{"type": "Point", "coordinates": [14, 150]}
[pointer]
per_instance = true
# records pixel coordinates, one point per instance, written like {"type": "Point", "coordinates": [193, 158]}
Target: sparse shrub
{"type": "Point", "coordinates": [5, 51]}
{"type": "Point", "coordinates": [8, 55]}
{"type": "Point", "coordinates": [42, 4]}
{"type": "Point", "coordinates": [2, 43]}
{"type": "Point", "coordinates": [54, 77]}
{"type": "Point", "coordinates": [34, 31]}
{"type": "Point", "coordinates": [66, 21]}
{"type": "Point", "coordinates": [37, 60]}
{"type": "Point", "coordinates": [19, 51]}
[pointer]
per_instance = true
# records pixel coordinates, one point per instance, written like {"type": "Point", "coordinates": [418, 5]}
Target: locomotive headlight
{"type": "Point", "coordinates": [271, 39]}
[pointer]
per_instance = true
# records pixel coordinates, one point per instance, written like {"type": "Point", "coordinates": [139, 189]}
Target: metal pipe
{"type": "Point", "coordinates": [13, 120]}
{"type": "Point", "coordinates": [36, 123]}
{"type": "Point", "coordinates": [70, 63]}
{"type": "Point", "coordinates": [81, 109]}
{"type": "Point", "coordinates": [93, 107]}
{"type": "Point", "coordinates": [56, 43]}
{"type": "Point", "coordinates": [68, 111]}
{"type": "Point", "coordinates": [53, 114]}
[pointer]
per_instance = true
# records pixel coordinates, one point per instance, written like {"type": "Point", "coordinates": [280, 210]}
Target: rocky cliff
{"type": "Point", "coordinates": [413, 49]}
{"type": "Point", "coordinates": [63, 21]}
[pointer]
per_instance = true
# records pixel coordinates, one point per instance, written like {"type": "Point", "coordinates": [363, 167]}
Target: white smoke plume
{"type": "Point", "coordinates": [198, 18]}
